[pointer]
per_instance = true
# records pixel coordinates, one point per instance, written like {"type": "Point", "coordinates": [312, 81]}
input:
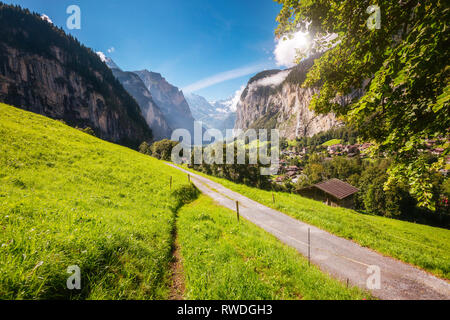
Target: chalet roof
{"type": "Point", "coordinates": [337, 188]}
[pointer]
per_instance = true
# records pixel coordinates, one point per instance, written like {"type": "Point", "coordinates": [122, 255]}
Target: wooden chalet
{"type": "Point", "coordinates": [334, 192]}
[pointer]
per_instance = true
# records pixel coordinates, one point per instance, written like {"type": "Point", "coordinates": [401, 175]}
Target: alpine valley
{"type": "Point", "coordinates": [87, 89]}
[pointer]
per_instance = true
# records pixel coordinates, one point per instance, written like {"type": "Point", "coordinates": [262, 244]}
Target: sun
{"type": "Point", "coordinates": [301, 40]}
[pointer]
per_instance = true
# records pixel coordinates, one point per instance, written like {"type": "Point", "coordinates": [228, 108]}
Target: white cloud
{"type": "Point", "coordinates": [235, 100]}
{"type": "Point", "coordinates": [102, 56]}
{"type": "Point", "coordinates": [46, 18]}
{"type": "Point", "coordinates": [286, 50]}
{"type": "Point", "coordinates": [273, 80]}
{"type": "Point", "coordinates": [222, 77]}
{"type": "Point", "coordinates": [111, 50]}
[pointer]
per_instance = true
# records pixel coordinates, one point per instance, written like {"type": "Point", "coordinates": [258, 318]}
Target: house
{"type": "Point", "coordinates": [334, 192]}
{"type": "Point", "coordinates": [437, 151]}
{"type": "Point", "coordinates": [364, 147]}
{"type": "Point", "coordinates": [293, 169]}
{"type": "Point", "coordinates": [291, 174]}
{"type": "Point", "coordinates": [334, 148]}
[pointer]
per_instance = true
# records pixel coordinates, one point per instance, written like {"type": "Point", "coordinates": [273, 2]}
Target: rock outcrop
{"type": "Point", "coordinates": [274, 99]}
{"type": "Point", "coordinates": [169, 99]}
{"type": "Point", "coordinates": [151, 112]}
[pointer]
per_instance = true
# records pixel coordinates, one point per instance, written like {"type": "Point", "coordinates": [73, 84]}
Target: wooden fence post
{"type": "Point", "coordinates": [237, 210]}
{"type": "Point", "coordinates": [189, 178]}
{"type": "Point", "coordinates": [170, 183]}
{"type": "Point", "coordinates": [309, 246]}
{"type": "Point", "coordinates": [273, 198]}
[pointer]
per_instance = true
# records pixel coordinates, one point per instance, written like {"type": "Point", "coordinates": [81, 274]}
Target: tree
{"type": "Point", "coordinates": [145, 148]}
{"type": "Point", "coordinates": [163, 149]}
{"type": "Point", "coordinates": [402, 69]}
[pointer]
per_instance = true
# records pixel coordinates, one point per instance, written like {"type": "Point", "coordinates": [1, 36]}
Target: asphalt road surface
{"type": "Point", "coordinates": [341, 258]}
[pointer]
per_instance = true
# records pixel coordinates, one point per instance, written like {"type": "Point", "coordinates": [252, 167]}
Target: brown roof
{"type": "Point", "coordinates": [337, 188]}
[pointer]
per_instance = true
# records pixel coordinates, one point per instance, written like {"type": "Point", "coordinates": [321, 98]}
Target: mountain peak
{"type": "Point", "coordinates": [152, 75]}
{"type": "Point", "coordinates": [108, 61]}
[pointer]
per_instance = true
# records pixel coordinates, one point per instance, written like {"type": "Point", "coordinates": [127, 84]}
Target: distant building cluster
{"type": "Point", "coordinates": [351, 150]}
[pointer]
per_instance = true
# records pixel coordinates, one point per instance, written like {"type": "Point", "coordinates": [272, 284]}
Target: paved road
{"type": "Point", "coordinates": [341, 258]}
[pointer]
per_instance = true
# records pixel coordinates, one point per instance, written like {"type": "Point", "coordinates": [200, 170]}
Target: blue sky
{"type": "Point", "coordinates": [187, 41]}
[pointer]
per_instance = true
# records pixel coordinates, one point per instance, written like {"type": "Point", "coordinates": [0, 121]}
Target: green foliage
{"type": "Point", "coordinates": [268, 121]}
{"type": "Point", "coordinates": [370, 176]}
{"type": "Point", "coordinates": [249, 174]}
{"type": "Point", "coordinates": [88, 130]}
{"type": "Point", "coordinates": [67, 198]}
{"type": "Point", "coordinates": [403, 68]}
{"type": "Point", "coordinates": [346, 135]}
{"type": "Point", "coordinates": [224, 259]}
{"type": "Point", "coordinates": [299, 72]}
{"type": "Point", "coordinates": [145, 148]}
{"type": "Point", "coordinates": [163, 149]}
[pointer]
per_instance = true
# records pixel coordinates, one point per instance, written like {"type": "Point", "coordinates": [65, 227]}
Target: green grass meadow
{"type": "Point", "coordinates": [224, 259]}
{"type": "Point", "coordinates": [420, 245]}
{"type": "Point", "coordinates": [67, 198]}
{"type": "Point", "coordinates": [331, 142]}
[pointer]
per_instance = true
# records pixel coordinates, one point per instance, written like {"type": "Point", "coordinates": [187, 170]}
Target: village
{"type": "Point", "coordinates": [333, 192]}
{"type": "Point", "coordinates": [291, 173]}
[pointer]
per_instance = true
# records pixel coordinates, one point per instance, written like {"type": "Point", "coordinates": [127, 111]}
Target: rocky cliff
{"type": "Point", "coordinates": [169, 99]}
{"type": "Point", "coordinates": [43, 70]}
{"type": "Point", "coordinates": [151, 112]}
{"type": "Point", "coordinates": [275, 99]}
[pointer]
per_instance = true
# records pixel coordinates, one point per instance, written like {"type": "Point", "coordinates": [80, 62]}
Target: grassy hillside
{"type": "Point", "coordinates": [331, 142]}
{"type": "Point", "coordinates": [424, 246]}
{"type": "Point", "coordinates": [224, 259]}
{"type": "Point", "coordinates": [67, 198]}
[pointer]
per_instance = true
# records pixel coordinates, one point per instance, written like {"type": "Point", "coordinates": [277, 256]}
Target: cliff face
{"type": "Point", "coordinates": [151, 112]}
{"type": "Point", "coordinates": [274, 99]}
{"type": "Point", "coordinates": [286, 109]}
{"type": "Point", "coordinates": [47, 72]}
{"type": "Point", "coordinates": [169, 99]}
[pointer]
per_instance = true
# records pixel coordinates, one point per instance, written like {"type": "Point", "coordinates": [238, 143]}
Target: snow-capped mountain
{"type": "Point", "coordinates": [219, 115]}
{"type": "Point", "coordinates": [108, 61]}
